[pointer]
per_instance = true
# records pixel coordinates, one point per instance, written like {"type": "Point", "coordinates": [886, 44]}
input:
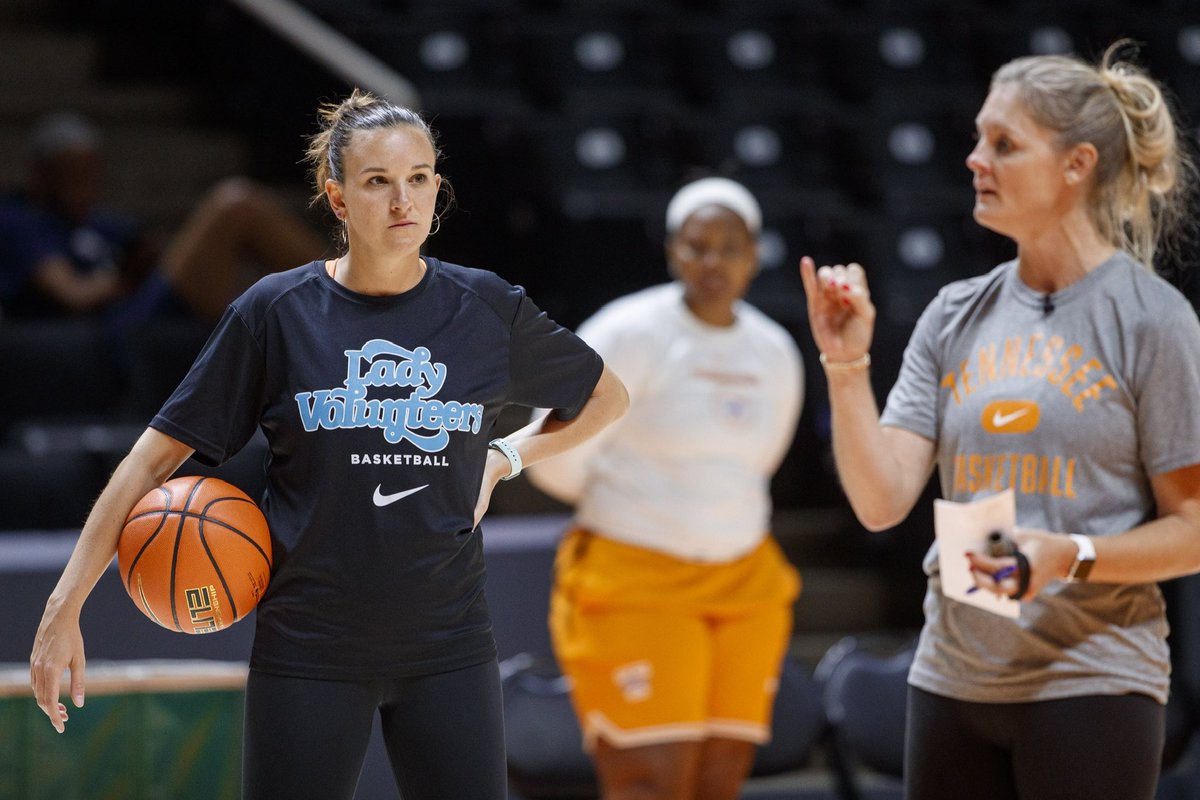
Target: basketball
{"type": "Point", "coordinates": [195, 554]}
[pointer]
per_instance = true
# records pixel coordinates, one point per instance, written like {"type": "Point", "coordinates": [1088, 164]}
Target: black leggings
{"type": "Point", "coordinates": [1078, 747]}
{"type": "Point", "coordinates": [308, 738]}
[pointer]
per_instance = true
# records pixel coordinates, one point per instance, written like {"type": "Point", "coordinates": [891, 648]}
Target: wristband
{"type": "Point", "coordinates": [510, 452]}
{"type": "Point", "coordinates": [1085, 557]}
{"type": "Point", "coordinates": [862, 362]}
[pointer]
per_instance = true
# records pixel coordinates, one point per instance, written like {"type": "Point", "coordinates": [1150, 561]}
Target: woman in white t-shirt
{"type": "Point", "coordinates": [672, 605]}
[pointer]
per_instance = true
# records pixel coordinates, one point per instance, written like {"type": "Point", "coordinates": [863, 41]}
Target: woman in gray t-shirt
{"type": "Point", "coordinates": [1070, 375]}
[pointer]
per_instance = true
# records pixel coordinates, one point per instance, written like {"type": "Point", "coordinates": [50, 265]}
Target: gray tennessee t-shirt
{"type": "Point", "coordinates": [1074, 409]}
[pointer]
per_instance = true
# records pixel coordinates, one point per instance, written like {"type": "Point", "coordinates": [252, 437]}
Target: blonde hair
{"type": "Point", "coordinates": [1144, 176]}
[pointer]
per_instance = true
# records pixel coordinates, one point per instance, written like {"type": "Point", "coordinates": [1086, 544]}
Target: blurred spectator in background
{"type": "Point", "coordinates": [62, 254]}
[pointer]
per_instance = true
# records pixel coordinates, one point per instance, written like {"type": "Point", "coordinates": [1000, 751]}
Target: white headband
{"type": "Point", "coordinates": [710, 192]}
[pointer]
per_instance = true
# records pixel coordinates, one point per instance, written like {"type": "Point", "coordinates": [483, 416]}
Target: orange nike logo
{"type": "Point", "coordinates": [1010, 416]}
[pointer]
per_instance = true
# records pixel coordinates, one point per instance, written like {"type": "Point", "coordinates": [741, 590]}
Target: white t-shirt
{"type": "Point", "coordinates": [712, 412]}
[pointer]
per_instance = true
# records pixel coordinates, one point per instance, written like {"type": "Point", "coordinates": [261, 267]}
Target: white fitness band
{"type": "Point", "coordinates": [1085, 557]}
{"type": "Point", "coordinates": [510, 452]}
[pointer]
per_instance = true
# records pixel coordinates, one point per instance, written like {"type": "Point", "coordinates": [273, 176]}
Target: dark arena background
{"type": "Point", "coordinates": [566, 126]}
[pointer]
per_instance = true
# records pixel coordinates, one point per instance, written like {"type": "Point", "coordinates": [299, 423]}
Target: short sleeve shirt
{"type": "Point", "coordinates": [1074, 409]}
{"type": "Point", "coordinates": [377, 411]}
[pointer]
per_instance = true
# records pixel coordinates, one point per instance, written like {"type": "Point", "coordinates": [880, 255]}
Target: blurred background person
{"type": "Point", "coordinates": [672, 606]}
{"type": "Point", "coordinates": [65, 254]}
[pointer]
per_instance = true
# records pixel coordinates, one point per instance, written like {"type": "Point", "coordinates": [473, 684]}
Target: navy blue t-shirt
{"type": "Point", "coordinates": [378, 411]}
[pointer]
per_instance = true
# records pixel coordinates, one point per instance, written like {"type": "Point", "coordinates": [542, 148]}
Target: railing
{"type": "Point", "coordinates": [337, 53]}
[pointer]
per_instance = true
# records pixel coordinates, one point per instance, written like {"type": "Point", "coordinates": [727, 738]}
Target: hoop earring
{"type": "Point", "coordinates": [437, 224]}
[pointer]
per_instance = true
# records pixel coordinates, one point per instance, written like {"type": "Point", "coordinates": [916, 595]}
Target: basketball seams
{"type": "Point", "coordinates": [250, 540]}
{"type": "Point", "coordinates": [191, 494]}
{"type": "Point", "coordinates": [172, 566]}
{"type": "Point", "coordinates": [165, 512]}
{"type": "Point", "coordinates": [198, 515]}
{"type": "Point", "coordinates": [217, 568]}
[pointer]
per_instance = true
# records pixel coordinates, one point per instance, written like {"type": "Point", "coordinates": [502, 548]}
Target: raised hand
{"type": "Point", "coordinates": [840, 311]}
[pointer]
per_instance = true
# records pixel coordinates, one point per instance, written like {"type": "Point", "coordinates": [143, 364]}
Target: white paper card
{"type": "Point", "coordinates": [963, 527]}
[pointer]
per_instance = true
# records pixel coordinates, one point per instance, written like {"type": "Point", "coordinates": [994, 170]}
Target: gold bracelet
{"type": "Point", "coordinates": [862, 362]}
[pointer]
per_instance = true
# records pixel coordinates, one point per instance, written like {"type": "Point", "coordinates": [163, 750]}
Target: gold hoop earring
{"type": "Point", "coordinates": [437, 224]}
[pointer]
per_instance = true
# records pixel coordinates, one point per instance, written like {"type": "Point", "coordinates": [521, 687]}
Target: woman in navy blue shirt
{"type": "Point", "coordinates": [376, 377]}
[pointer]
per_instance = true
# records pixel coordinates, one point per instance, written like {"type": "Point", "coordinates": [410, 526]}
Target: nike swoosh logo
{"type": "Point", "coordinates": [382, 499]}
{"type": "Point", "coordinates": [1000, 420]}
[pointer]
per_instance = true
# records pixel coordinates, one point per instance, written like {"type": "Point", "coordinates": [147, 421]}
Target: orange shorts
{"type": "Point", "coordinates": [664, 650]}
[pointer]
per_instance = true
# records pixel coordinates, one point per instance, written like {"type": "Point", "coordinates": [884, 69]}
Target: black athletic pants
{"type": "Point", "coordinates": [1098, 746]}
{"type": "Point", "coordinates": [308, 738]}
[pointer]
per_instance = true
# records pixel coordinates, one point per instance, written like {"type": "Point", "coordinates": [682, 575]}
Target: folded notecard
{"type": "Point", "coordinates": [964, 527]}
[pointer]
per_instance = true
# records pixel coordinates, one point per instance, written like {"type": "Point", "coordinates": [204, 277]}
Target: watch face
{"type": "Point", "coordinates": [1085, 557]}
{"type": "Point", "coordinates": [1081, 569]}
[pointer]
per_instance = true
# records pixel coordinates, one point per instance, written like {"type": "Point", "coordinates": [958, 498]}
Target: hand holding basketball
{"type": "Point", "coordinates": [195, 554]}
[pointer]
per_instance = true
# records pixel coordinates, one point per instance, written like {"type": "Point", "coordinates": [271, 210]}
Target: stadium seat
{"type": "Point", "coordinates": [1183, 706]}
{"type": "Point", "coordinates": [865, 693]}
{"type": "Point", "coordinates": [747, 57]}
{"type": "Point", "coordinates": [590, 62]}
{"type": "Point", "coordinates": [868, 56]}
{"type": "Point", "coordinates": [600, 164]}
{"type": "Point", "coordinates": [46, 491]}
{"type": "Point", "coordinates": [158, 357]}
{"type": "Point", "coordinates": [907, 152]}
{"type": "Point", "coordinates": [455, 56]}
{"type": "Point", "coordinates": [57, 370]}
{"type": "Point", "coordinates": [769, 149]}
{"type": "Point", "coordinates": [910, 256]}
{"type": "Point", "coordinates": [546, 760]}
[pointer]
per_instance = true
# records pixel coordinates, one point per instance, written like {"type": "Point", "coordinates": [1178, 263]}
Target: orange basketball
{"type": "Point", "coordinates": [195, 554]}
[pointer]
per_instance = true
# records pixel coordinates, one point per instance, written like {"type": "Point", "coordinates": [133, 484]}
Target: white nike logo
{"type": "Point", "coordinates": [382, 499]}
{"type": "Point", "coordinates": [1000, 420]}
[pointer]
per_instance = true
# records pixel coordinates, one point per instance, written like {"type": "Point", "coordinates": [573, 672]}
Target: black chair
{"type": "Point", "coordinates": [747, 57]}
{"type": "Point", "coordinates": [865, 699]}
{"type": "Point", "coordinates": [797, 722]}
{"type": "Point", "coordinates": [1180, 779]}
{"type": "Point", "coordinates": [546, 760]}
{"type": "Point", "coordinates": [46, 491]}
{"type": "Point", "coordinates": [158, 356]}
{"type": "Point", "coordinates": [57, 370]}
{"type": "Point", "coordinates": [1168, 52]}
{"type": "Point", "coordinates": [872, 55]}
{"type": "Point", "coordinates": [544, 744]}
{"type": "Point", "coordinates": [910, 256]}
{"type": "Point", "coordinates": [773, 147]}
{"type": "Point", "coordinates": [52, 470]}
{"type": "Point", "coordinates": [597, 164]}
{"type": "Point", "coordinates": [591, 62]}
{"type": "Point", "coordinates": [904, 152]}
{"type": "Point", "coordinates": [456, 56]}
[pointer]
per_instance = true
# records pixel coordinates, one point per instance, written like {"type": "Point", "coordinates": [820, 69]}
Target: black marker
{"type": "Point", "coordinates": [999, 545]}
